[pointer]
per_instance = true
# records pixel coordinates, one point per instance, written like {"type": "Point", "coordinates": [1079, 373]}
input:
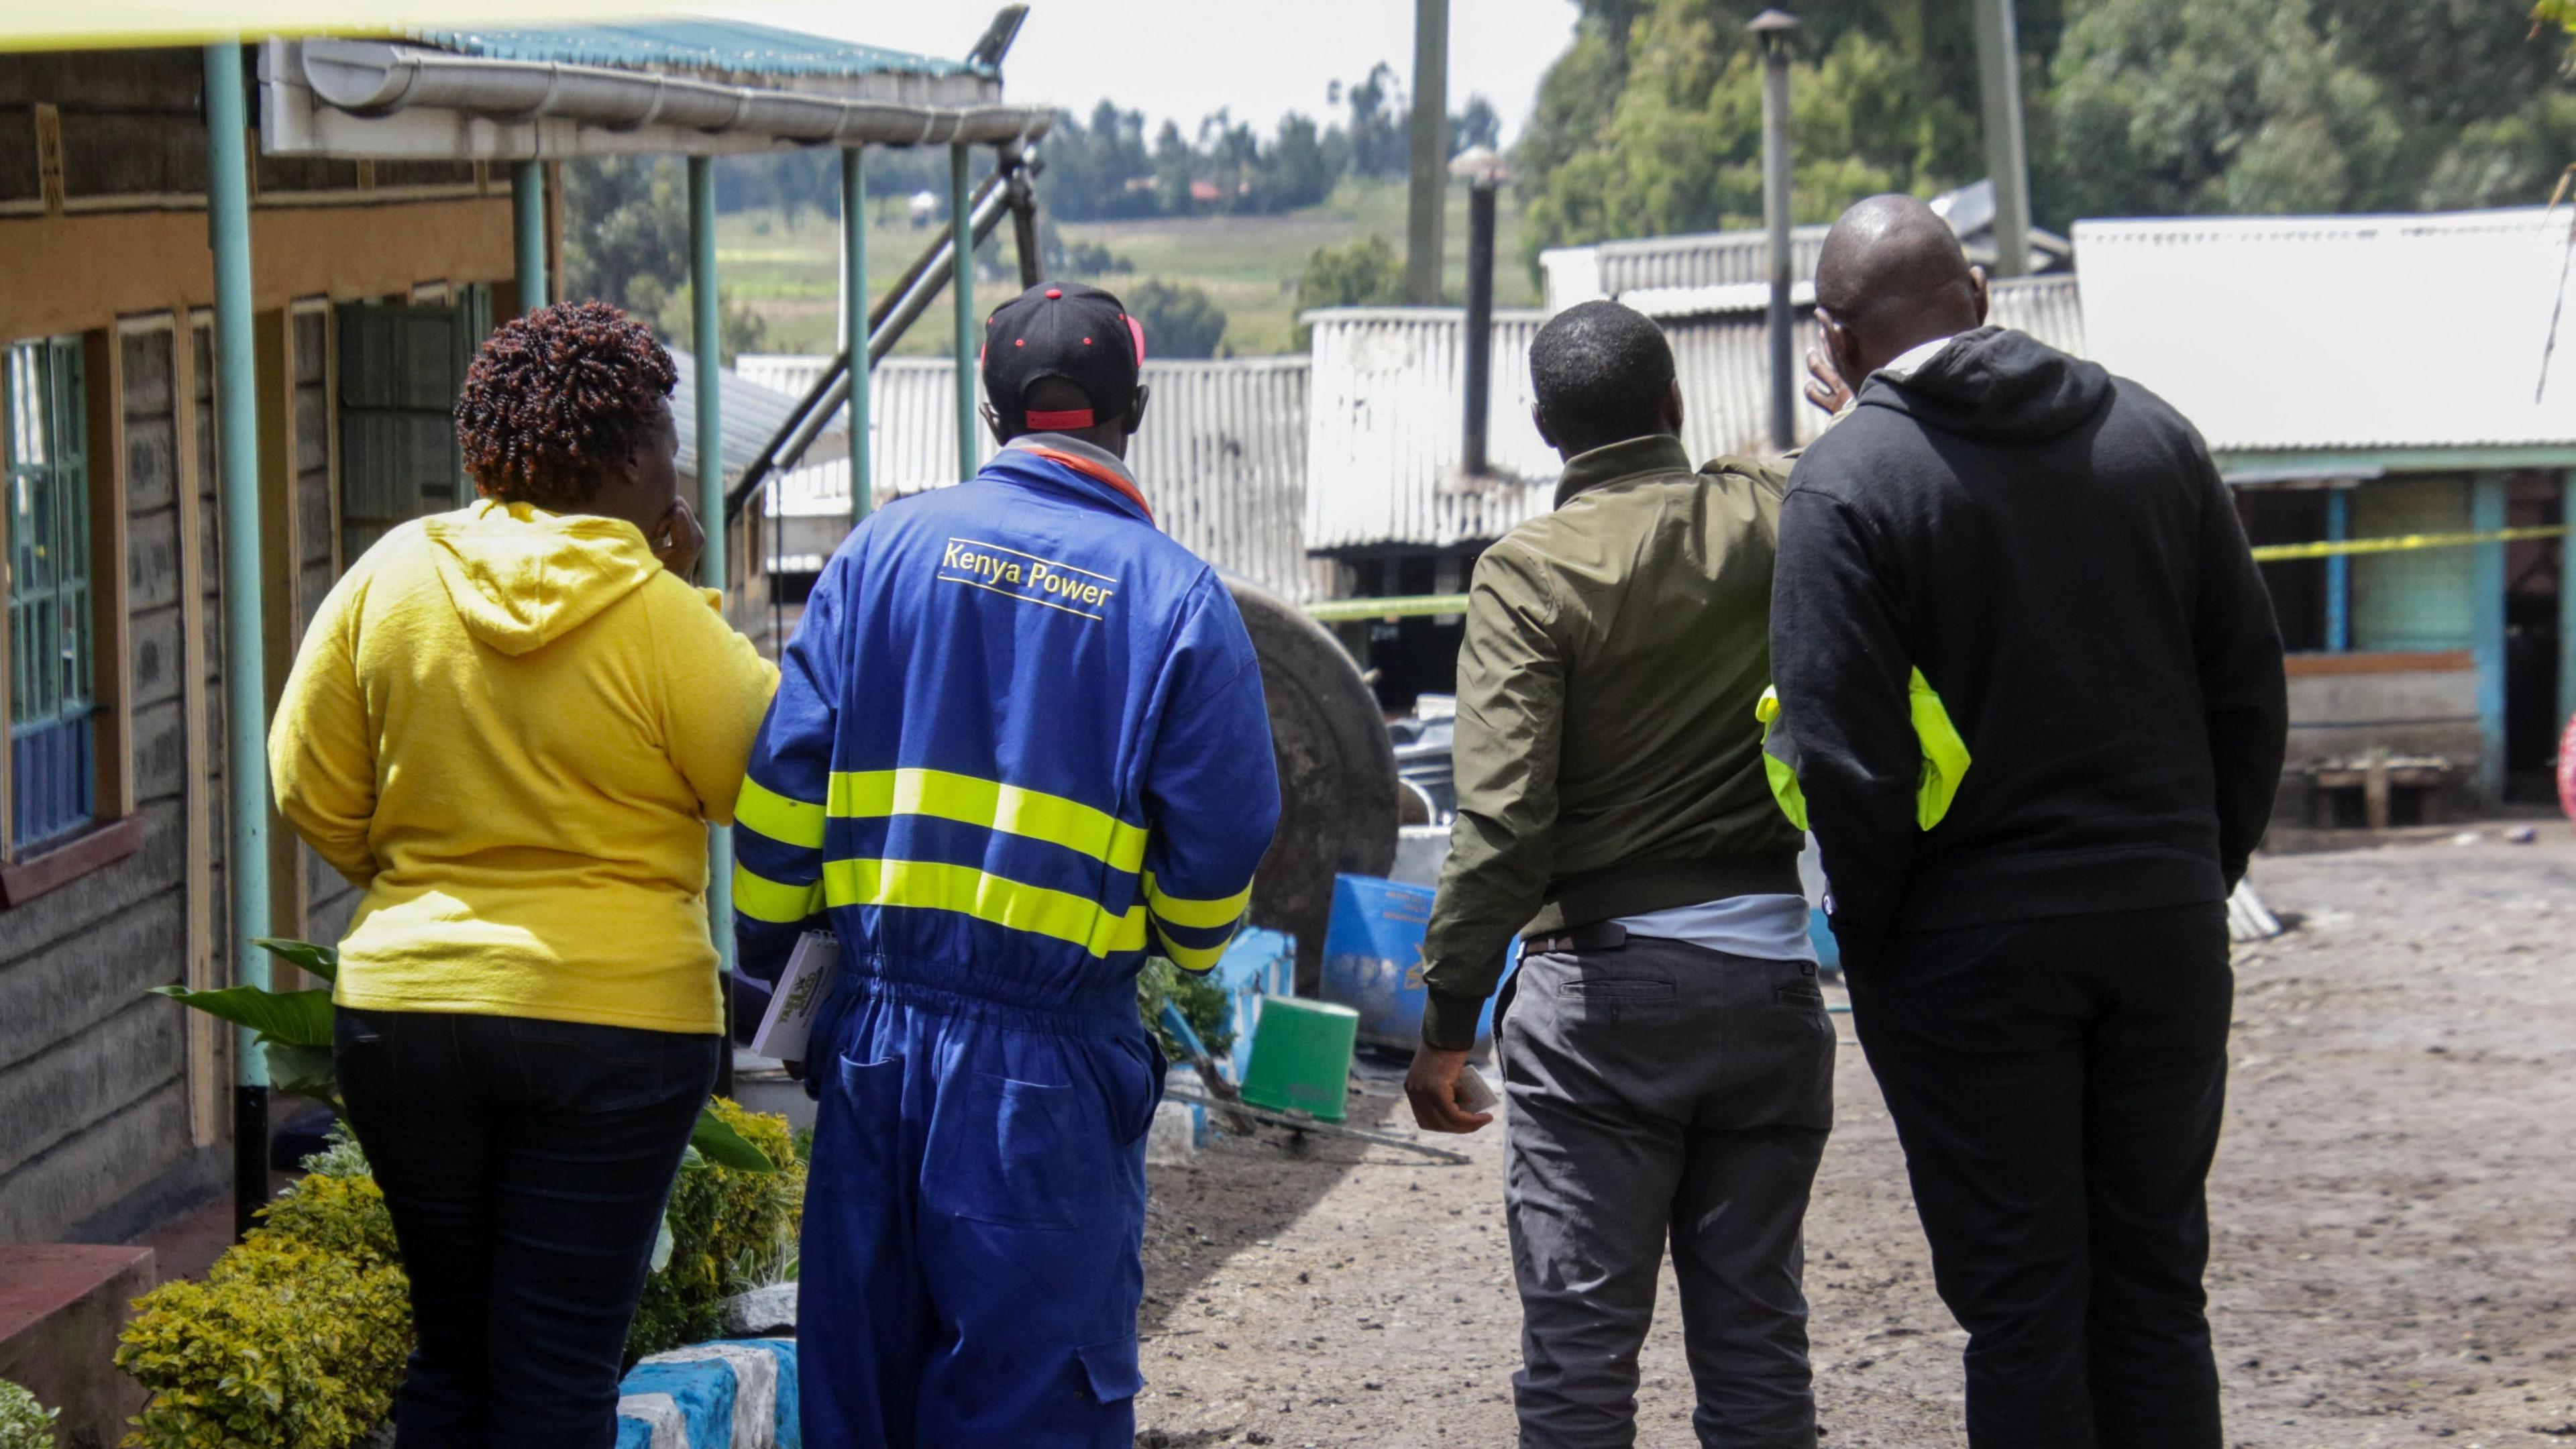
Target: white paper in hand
{"type": "Point", "coordinates": [802, 988]}
{"type": "Point", "coordinates": [1473, 1094]}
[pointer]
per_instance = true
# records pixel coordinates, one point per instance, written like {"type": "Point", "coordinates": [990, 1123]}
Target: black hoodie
{"type": "Point", "coordinates": [2052, 547]}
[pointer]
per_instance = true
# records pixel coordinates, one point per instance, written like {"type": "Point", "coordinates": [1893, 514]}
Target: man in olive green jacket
{"type": "Point", "coordinates": [1665, 1050]}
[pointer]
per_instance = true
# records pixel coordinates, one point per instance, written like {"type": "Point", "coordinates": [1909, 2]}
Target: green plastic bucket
{"type": "Point", "coordinates": [1301, 1057]}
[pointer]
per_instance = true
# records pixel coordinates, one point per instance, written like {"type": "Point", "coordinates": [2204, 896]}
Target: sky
{"type": "Point", "coordinates": [1182, 59]}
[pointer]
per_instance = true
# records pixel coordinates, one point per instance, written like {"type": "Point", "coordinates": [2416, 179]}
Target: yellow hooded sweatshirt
{"type": "Point", "coordinates": [511, 728]}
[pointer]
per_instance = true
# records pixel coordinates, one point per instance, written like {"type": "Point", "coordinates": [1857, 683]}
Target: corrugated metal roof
{"type": "Point", "coordinates": [1698, 259]}
{"type": "Point", "coordinates": [750, 413]}
{"type": "Point", "coordinates": [1385, 433]}
{"type": "Point", "coordinates": [2343, 332]}
{"type": "Point", "coordinates": [1222, 454]}
{"type": "Point", "coordinates": [733, 47]}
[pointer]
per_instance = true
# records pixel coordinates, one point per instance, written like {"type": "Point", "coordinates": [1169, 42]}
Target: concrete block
{"type": "Point", "coordinates": [61, 1306]}
{"type": "Point", "coordinates": [761, 1312]}
{"type": "Point", "coordinates": [1174, 1137]}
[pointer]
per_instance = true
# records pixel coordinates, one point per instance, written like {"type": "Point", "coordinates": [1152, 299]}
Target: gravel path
{"type": "Point", "coordinates": [2395, 1211]}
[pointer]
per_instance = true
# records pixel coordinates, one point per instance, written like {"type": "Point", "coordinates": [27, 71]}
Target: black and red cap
{"type": "Point", "coordinates": [1067, 330]}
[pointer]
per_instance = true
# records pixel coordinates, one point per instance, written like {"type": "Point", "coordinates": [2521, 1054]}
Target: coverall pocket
{"type": "Point", "coordinates": [859, 1129]}
{"type": "Point", "coordinates": [1000, 1151]}
{"type": "Point", "coordinates": [1111, 1368]}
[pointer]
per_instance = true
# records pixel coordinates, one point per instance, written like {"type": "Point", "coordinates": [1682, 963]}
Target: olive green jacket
{"type": "Point", "coordinates": [1608, 759]}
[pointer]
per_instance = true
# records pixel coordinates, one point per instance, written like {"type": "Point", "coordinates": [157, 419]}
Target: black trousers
{"type": "Point", "coordinates": [2057, 1086]}
{"type": "Point", "coordinates": [526, 1164]}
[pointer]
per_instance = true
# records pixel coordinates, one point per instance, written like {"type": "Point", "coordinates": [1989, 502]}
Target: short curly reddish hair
{"type": "Point", "coordinates": [556, 396]}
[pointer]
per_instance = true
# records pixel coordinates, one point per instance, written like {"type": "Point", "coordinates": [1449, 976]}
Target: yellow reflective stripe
{"type": "Point", "coordinates": [1780, 760]}
{"type": "Point", "coordinates": [1204, 915]}
{"type": "Point", "coordinates": [757, 896]}
{"type": "Point", "coordinates": [993, 805]}
{"type": "Point", "coordinates": [934, 885]}
{"type": "Point", "coordinates": [1945, 755]}
{"type": "Point", "coordinates": [789, 822]}
{"type": "Point", "coordinates": [1197, 960]}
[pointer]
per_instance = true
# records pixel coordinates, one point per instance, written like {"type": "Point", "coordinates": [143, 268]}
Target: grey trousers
{"type": "Point", "coordinates": [1659, 1089]}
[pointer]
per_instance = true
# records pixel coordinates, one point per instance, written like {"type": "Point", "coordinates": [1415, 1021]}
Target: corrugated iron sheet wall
{"type": "Point", "coordinates": [1384, 435]}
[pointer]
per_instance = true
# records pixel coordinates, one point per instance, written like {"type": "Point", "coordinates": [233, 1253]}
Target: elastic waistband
{"type": "Point", "coordinates": [1105, 1008]}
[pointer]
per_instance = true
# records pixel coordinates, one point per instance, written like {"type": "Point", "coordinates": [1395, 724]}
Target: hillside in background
{"type": "Point", "coordinates": [782, 268]}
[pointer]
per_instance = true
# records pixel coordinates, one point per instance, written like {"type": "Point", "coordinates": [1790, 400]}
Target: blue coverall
{"type": "Point", "coordinates": [1019, 741]}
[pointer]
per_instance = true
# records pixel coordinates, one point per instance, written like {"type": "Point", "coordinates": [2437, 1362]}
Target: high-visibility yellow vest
{"type": "Point", "coordinates": [1945, 755]}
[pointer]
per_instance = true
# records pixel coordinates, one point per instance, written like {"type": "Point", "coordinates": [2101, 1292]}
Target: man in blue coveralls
{"type": "Point", "coordinates": [1019, 743]}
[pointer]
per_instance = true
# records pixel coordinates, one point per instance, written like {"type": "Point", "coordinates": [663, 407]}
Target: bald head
{"type": "Point", "coordinates": [1891, 277]}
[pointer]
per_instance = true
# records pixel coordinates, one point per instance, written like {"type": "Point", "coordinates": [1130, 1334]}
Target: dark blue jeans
{"type": "Point", "coordinates": [526, 1164]}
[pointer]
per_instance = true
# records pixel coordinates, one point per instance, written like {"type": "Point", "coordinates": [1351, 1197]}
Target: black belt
{"type": "Point", "coordinates": [1598, 936]}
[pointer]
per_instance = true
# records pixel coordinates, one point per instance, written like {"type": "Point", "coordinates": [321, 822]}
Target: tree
{"type": "Point", "coordinates": [1677, 143]}
{"type": "Point", "coordinates": [1478, 125]}
{"type": "Point", "coordinates": [626, 242]}
{"type": "Point", "coordinates": [1178, 321]}
{"type": "Point", "coordinates": [1365, 273]}
{"type": "Point", "coordinates": [2166, 108]}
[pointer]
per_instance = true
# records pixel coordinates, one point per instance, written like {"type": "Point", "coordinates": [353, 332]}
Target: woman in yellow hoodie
{"type": "Point", "coordinates": [511, 725]}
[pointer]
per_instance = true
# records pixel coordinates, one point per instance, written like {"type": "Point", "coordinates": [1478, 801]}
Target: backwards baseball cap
{"type": "Point", "coordinates": [1066, 330]}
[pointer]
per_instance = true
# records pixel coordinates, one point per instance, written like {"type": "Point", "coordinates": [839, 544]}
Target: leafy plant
{"type": "Point", "coordinates": [727, 1230]}
{"type": "Point", "coordinates": [295, 1339]}
{"type": "Point", "coordinates": [1202, 1003]}
{"type": "Point", "coordinates": [24, 1423]}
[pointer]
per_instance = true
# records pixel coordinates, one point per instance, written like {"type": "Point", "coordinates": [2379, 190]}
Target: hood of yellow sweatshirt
{"type": "Point", "coordinates": [521, 577]}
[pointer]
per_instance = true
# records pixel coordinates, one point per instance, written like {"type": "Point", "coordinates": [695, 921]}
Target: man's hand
{"type": "Point", "coordinates": [1432, 1085]}
{"type": "Point", "coordinates": [1825, 387]}
{"type": "Point", "coordinates": [678, 539]}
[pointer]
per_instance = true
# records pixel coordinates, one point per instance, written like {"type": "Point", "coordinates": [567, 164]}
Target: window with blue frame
{"type": "Point", "coordinates": [44, 447]}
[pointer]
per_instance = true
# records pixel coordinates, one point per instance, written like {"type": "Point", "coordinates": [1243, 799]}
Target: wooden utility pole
{"type": "Point", "coordinates": [1430, 152]}
{"type": "Point", "coordinates": [1999, 81]}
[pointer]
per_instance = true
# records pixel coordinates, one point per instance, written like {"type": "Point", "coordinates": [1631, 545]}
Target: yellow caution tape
{"type": "Point", "coordinates": [2402, 543]}
{"type": "Point", "coordinates": [1336, 611]}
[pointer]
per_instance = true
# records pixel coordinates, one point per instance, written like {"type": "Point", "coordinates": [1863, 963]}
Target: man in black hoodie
{"type": "Point", "coordinates": [2031, 686]}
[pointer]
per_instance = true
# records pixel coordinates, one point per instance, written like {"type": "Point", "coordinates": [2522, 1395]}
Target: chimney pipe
{"type": "Point", "coordinates": [1484, 172]}
{"type": "Point", "coordinates": [1772, 29]}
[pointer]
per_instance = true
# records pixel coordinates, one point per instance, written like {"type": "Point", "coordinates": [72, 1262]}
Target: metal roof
{"type": "Point", "coordinates": [1384, 439]}
{"type": "Point", "coordinates": [1650, 264]}
{"type": "Point", "coordinates": [2341, 333]}
{"type": "Point", "coordinates": [733, 47]}
{"type": "Point", "coordinates": [749, 413]}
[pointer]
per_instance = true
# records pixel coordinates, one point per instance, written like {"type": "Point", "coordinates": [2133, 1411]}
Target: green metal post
{"type": "Point", "coordinates": [2338, 572]}
{"type": "Point", "coordinates": [706, 323]}
{"type": "Point", "coordinates": [528, 230]}
{"type": "Point", "coordinates": [245, 685]}
{"type": "Point", "coordinates": [2487, 582]}
{"type": "Point", "coordinates": [854, 321]}
{"type": "Point", "coordinates": [961, 288]}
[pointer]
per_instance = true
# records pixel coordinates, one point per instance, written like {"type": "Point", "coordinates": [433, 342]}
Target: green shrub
{"type": "Point", "coordinates": [24, 1423]}
{"type": "Point", "coordinates": [1202, 1003]}
{"type": "Point", "coordinates": [730, 1232]}
{"type": "Point", "coordinates": [296, 1339]}
{"type": "Point", "coordinates": [284, 1345]}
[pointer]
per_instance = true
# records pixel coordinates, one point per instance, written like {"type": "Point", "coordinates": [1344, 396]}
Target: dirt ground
{"type": "Point", "coordinates": [2394, 1211]}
